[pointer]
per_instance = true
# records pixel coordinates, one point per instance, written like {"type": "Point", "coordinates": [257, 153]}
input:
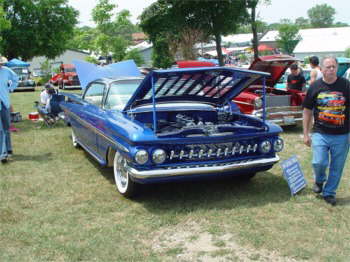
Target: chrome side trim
{"type": "Point", "coordinates": [97, 131]}
{"type": "Point", "coordinates": [196, 169]}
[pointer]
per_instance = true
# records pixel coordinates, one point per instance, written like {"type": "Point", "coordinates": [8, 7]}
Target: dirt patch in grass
{"type": "Point", "coordinates": [189, 242]}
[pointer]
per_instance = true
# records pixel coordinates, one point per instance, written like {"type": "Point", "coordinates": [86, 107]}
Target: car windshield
{"type": "Point", "coordinates": [69, 69]}
{"type": "Point", "coordinates": [120, 92]}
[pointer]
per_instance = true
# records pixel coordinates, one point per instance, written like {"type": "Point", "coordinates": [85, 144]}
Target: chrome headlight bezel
{"type": "Point", "coordinates": [265, 146]}
{"type": "Point", "coordinates": [141, 157]}
{"type": "Point", "coordinates": [278, 145]}
{"type": "Point", "coordinates": [159, 156]}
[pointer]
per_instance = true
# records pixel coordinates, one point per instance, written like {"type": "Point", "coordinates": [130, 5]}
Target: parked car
{"type": "Point", "coordinates": [25, 82]}
{"type": "Point", "coordinates": [173, 124]}
{"type": "Point", "coordinates": [283, 107]}
{"type": "Point", "coordinates": [66, 78]}
{"type": "Point", "coordinates": [347, 74]}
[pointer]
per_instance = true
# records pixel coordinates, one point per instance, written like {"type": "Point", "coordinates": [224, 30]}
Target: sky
{"type": "Point", "coordinates": [278, 9]}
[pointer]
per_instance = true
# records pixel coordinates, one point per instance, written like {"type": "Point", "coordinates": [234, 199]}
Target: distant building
{"type": "Point", "coordinates": [323, 42]}
{"type": "Point", "coordinates": [138, 38]}
{"type": "Point", "coordinates": [66, 58]}
{"type": "Point", "coordinates": [316, 41]}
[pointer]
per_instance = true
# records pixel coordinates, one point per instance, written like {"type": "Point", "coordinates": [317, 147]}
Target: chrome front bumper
{"type": "Point", "coordinates": [193, 170]}
{"type": "Point", "coordinates": [284, 116]}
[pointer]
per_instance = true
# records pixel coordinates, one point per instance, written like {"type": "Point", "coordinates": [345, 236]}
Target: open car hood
{"type": "Point", "coordinates": [214, 85]}
{"type": "Point", "coordinates": [276, 65]}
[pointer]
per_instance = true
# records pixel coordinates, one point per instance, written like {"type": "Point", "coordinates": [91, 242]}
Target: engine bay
{"type": "Point", "coordinates": [199, 123]}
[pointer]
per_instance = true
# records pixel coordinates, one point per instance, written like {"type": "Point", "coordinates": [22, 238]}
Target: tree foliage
{"type": "Point", "coordinates": [134, 54]}
{"type": "Point", "coordinates": [347, 52]}
{"type": "Point", "coordinates": [288, 37]}
{"type": "Point", "coordinates": [38, 27]}
{"type": "Point", "coordinates": [171, 20]}
{"type": "Point", "coordinates": [321, 16]}
{"type": "Point", "coordinates": [83, 39]}
{"type": "Point", "coordinates": [111, 36]}
{"type": "Point", "coordinates": [302, 22]}
{"type": "Point", "coordinates": [4, 23]}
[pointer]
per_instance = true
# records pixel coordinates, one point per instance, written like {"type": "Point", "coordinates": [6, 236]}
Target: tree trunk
{"type": "Point", "coordinates": [255, 34]}
{"type": "Point", "coordinates": [218, 49]}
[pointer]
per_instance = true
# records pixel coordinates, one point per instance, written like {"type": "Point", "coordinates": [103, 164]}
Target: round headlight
{"type": "Point", "coordinates": [278, 145]}
{"type": "Point", "coordinates": [159, 156]}
{"type": "Point", "coordinates": [141, 157]}
{"type": "Point", "coordinates": [265, 147]}
{"type": "Point", "coordinates": [258, 103]}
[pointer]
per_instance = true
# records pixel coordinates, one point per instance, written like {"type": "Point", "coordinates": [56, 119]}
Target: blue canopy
{"type": "Point", "coordinates": [88, 72]}
{"type": "Point", "coordinates": [16, 63]}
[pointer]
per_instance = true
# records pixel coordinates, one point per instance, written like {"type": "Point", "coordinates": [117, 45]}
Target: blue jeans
{"type": "Point", "coordinates": [5, 139]}
{"type": "Point", "coordinates": [329, 151]}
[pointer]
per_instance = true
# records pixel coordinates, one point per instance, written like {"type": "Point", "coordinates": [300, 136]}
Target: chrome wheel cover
{"type": "Point", "coordinates": [121, 175]}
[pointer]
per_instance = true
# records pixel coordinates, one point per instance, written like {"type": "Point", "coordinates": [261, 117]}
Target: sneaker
{"type": "Point", "coordinates": [330, 200]}
{"type": "Point", "coordinates": [4, 160]}
{"type": "Point", "coordinates": [317, 188]}
{"type": "Point", "coordinates": [9, 153]}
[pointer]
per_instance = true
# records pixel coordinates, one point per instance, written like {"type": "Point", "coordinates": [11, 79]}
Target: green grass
{"type": "Point", "coordinates": [58, 204]}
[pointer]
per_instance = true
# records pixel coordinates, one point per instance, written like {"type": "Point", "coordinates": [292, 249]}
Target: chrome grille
{"type": "Point", "coordinates": [213, 151]}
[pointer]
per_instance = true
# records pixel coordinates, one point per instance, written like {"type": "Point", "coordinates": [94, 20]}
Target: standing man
{"type": "Point", "coordinates": [8, 82]}
{"type": "Point", "coordinates": [327, 103]}
{"type": "Point", "coordinates": [316, 72]}
{"type": "Point", "coordinates": [295, 80]}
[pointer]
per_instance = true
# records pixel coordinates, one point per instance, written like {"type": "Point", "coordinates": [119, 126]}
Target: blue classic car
{"type": "Point", "coordinates": [172, 125]}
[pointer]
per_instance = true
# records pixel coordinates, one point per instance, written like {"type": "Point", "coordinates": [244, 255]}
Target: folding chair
{"type": "Point", "coordinates": [55, 114]}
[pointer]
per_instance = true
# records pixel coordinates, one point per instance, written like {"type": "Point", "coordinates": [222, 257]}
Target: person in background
{"type": "Point", "coordinates": [45, 97]}
{"type": "Point", "coordinates": [296, 79]}
{"type": "Point", "coordinates": [8, 82]}
{"type": "Point", "coordinates": [316, 72]}
{"type": "Point", "coordinates": [327, 104]}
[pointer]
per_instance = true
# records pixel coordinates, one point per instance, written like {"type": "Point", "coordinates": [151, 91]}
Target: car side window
{"type": "Point", "coordinates": [94, 94]}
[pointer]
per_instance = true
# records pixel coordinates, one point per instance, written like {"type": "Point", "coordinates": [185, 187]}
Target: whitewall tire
{"type": "Point", "coordinates": [125, 185]}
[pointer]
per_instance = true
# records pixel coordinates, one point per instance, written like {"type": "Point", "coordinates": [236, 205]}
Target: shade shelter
{"type": "Point", "coordinates": [16, 63]}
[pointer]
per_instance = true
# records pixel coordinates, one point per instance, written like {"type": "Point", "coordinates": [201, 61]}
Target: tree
{"type": "Point", "coordinates": [347, 52]}
{"type": "Point", "coordinates": [173, 19]}
{"type": "Point", "coordinates": [288, 37]}
{"type": "Point", "coordinates": [4, 23]}
{"type": "Point", "coordinates": [134, 54]}
{"type": "Point", "coordinates": [321, 16]}
{"type": "Point", "coordinates": [161, 56]}
{"type": "Point", "coordinates": [302, 22]}
{"type": "Point", "coordinates": [251, 5]}
{"type": "Point", "coordinates": [340, 24]}
{"type": "Point", "coordinates": [112, 36]}
{"type": "Point", "coordinates": [38, 27]}
{"type": "Point", "coordinates": [83, 39]}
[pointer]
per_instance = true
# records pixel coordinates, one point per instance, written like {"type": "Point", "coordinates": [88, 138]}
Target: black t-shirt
{"type": "Point", "coordinates": [330, 105]}
{"type": "Point", "coordinates": [295, 82]}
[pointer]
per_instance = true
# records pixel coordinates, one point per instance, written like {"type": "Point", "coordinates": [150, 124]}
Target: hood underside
{"type": "Point", "coordinates": [214, 85]}
{"type": "Point", "coordinates": [276, 65]}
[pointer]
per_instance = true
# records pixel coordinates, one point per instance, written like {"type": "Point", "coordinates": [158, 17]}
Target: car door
{"type": "Point", "coordinates": [90, 114]}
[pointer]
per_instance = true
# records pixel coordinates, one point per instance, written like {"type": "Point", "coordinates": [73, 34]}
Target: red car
{"type": "Point", "coordinates": [283, 107]}
{"type": "Point", "coordinates": [66, 78]}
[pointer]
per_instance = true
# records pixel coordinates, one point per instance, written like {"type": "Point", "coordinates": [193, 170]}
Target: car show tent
{"type": "Point", "coordinates": [16, 63]}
